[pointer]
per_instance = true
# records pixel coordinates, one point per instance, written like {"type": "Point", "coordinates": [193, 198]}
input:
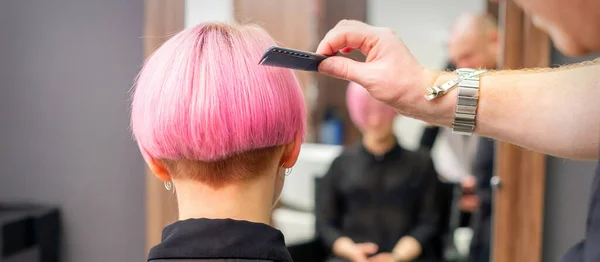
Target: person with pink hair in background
{"type": "Point", "coordinates": [378, 201]}
{"type": "Point", "coordinates": [220, 131]}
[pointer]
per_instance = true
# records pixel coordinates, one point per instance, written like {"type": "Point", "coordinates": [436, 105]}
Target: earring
{"type": "Point", "coordinates": [288, 171]}
{"type": "Point", "coordinates": [169, 185]}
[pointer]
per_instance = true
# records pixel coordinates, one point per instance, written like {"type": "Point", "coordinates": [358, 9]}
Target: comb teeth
{"type": "Point", "coordinates": [273, 62]}
{"type": "Point", "coordinates": [290, 53]}
{"type": "Point", "coordinates": [262, 60]}
{"type": "Point", "coordinates": [286, 58]}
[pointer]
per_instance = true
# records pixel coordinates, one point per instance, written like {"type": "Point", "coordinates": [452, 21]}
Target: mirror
{"type": "Point", "coordinates": [301, 24]}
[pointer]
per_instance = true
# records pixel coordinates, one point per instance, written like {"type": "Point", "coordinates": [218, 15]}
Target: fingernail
{"type": "Point", "coordinates": [326, 66]}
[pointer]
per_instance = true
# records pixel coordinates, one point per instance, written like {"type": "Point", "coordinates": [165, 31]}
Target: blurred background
{"type": "Point", "coordinates": [74, 187]}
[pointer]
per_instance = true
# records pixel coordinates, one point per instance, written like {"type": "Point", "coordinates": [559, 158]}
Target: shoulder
{"type": "Point", "coordinates": [349, 153]}
{"type": "Point", "coordinates": [420, 160]}
{"type": "Point", "coordinates": [346, 157]}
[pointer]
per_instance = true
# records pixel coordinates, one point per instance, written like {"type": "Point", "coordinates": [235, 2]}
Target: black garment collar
{"type": "Point", "coordinates": [393, 152]}
{"type": "Point", "coordinates": [219, 239]}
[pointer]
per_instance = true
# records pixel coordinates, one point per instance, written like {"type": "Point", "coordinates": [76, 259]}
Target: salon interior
{"type": "Point", "coordinates": [74, 186]}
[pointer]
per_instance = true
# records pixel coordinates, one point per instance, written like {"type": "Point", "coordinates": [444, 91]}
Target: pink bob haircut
{"type": "Point", "coordinates": [202, 100]}
{"type": "Point", "coordinates": [361, 105]}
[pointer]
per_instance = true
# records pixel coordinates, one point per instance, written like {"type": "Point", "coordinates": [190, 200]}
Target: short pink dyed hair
{"type": "Point", "coordinates": [361, 105]}
{"type": "Point", "coordinates": [203, 97]}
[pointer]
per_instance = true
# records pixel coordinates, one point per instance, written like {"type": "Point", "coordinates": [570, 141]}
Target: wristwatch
{"type": "Point", "coordinates": [468, 97]}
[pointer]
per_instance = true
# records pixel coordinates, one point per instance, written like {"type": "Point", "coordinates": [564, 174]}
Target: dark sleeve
{"type": "Point", "coordinates": [483, 169]}
{"type": "Point", "coordinates": [429, 211]}
{"type": "Point", "coordinates": [428, 137]}
{"type": "Point", "coordinates": [327, 205]}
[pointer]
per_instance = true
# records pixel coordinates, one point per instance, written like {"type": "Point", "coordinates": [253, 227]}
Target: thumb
{"type": "Point", "coordinates": [342, 67]}
{"type": "Point", "coordinates": [360, 258]}
{"type": "Point", "coordinates": [369, 248]}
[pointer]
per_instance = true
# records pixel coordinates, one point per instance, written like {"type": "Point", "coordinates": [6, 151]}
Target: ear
{"type": "Point", "coordinates": [291, 152]}
{"type": "Point", "coordinates": [158, 169]}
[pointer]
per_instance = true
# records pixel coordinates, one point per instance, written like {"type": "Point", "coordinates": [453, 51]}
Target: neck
{"type": "Point", "coordinates": [250, 199]}
{"type": "Point", "coordinates": [379, 145]}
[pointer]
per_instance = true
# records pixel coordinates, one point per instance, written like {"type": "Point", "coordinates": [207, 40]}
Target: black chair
{"type": "Point", "coordinates": [29, 233]}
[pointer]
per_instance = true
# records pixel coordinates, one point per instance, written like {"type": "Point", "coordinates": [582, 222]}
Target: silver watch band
{"type": "Point", "coordinates": [468, 98]}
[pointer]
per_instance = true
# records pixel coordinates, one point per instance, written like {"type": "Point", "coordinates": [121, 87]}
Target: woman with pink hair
{"type": "Point", "coordinates": [220, 131]}
{"type": "Point", "coordinates": [378, 201]}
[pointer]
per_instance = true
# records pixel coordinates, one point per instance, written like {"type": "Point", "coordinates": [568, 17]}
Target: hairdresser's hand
{"type": "Point", "coordinates": [468, 184]}
{"type": "Point", "coordinates": [469, 203]}
{"type": "Point", "coordinates": [390, 74]}
{"type": "Point", "coordinates": [346, 248]}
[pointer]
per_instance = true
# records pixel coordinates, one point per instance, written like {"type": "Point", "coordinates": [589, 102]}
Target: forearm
{"type": "Point", "coordinates": [423, 232]}
{"type": "Point", "coordinates": [326, 206]}
{"type": "Point", "coordinates": [329, 235]}
{"type": "Point", "coordinates": [555, 111]}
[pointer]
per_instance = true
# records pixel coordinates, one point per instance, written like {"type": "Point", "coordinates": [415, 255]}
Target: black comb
{"type": "Point", "coordinates": [292, 59]}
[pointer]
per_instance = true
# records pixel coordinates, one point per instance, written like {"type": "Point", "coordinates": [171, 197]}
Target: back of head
{"type": "Point", "coordinates": [361, 106]}
{"type": "Point", "coordinates": [204, 106]}
{"type": "Point", "coordinates": [474, 41]}
{"type": "Point", "coordinates": [473, 23]}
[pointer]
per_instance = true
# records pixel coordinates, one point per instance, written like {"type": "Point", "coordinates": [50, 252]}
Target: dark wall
{"type": "Point", "coordinates": [568, 185]}
{"type": "Point", "coordinates": [66, 67]}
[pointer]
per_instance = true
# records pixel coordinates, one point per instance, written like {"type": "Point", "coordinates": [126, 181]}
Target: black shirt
{"type": "Point", "coordinates": [378, 199]}
{"type": "Point", "coordinates": [220, 240]}
{"type": "Point", "coordinates": [588, 250]}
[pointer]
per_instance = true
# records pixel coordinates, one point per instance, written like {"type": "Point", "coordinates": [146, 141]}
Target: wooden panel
{"type": "Point", "coordinates": [518, 213]}
{"type": "Point", "coordinates": [537, 46]}
{"type": "Point", "coordinates": [162, 20]}
{"type": "Point", "coordinates": [332, 92]}
{"type": "Point", "coordinates": [288, 21]}
{"type": "Point", "coordinates": [493, 9]}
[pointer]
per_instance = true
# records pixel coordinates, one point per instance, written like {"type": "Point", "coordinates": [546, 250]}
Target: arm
{"type": "Point", "coordinates": [555, 111]}
{"type": "Point", "coordinates": [551, 111]}
{"type": "Point", "coordinates": [410, 247]}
